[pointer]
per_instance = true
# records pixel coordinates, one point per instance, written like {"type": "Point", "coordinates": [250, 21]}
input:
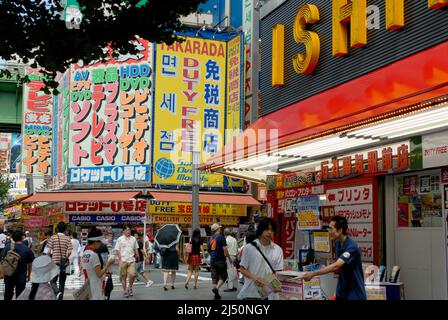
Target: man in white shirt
{"type": "Point", "coordinates": [2, 242]}
{"type": "Point", "coordinates": [253, 266]}
{"type": "Point", "coordinates": [28, 241]}
{"type": "Point", "coordinates": [232, 248]}
{"type": "Point", "coordinates": [127, 250]}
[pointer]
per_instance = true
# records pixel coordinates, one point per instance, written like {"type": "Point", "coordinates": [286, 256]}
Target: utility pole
{"type": "Point", "coordinates": [195, 188]}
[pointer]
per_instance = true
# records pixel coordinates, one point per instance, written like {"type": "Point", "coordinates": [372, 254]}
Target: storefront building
{"type": "Point", "coordinates": [354, 123]}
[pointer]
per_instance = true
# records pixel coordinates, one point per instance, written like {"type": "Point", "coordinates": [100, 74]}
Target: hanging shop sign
{"type": "Point", "coordinates": [300, 192]}
{"type": "Point", "coordinates": [53, 220]}
{"type": "Point", "coordinates": [356, 204]}
{"type": "Point", "coordinates": [35, 222]}
{"type": "Point", "coordinates": [37, 126]}
{"type": "Point", "coordinates": [130, 206]}
{"type": "Point", "coordinates": [110, 120]}
{"type": "Point", "coordinates": [435, 150]}
{"type": "Point", "coordinates": [106, 218]}
{"type": "Point", "coordinates": [30, 211]}
{"type": "Point", "coordinates": [187, 219]}
{"type": "Point", "coordinates": [308, 213]}
{"type": "Point", "coordinates": [160, 207]}
{"type": "Point", "coordinates": [190, 108]}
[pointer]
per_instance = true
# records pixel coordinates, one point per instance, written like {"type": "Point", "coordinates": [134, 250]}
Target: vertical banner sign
{"type": "Point", "coordinates": [356, 205]}
{"type": "Point", "coordinates": [61, 130]}
{"type": "Point", "coordinates": [189, 109]}
{"type": "Point", "coordinates": [110, 120]}
{"type": "Point", "coordinates": [248, 18]}
{"type": "Point", "coordinates": [234, 92]}
{"type": "Point", "coordinates": [37, 126]}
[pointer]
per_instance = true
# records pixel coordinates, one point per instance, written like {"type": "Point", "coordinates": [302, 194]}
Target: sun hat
{"type": "Point", "coordinates": [215, 227]}
{"type": "Point", "coordinates": [43, 270]}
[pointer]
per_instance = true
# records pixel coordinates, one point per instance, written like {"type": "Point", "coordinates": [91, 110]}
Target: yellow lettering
{"type": "Point", "coordinates": [306, 63]}
{"type": "Point", "coordinates": [278, 55]}
{"type": "Point", "coordinates": [394, 14]}
{"type": "Point", "coordinates": [344, 12]}
{"type": "Point", "coordinates": [437, 4]}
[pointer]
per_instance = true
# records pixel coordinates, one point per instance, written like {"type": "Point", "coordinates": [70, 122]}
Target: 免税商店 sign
{"type": "Point", "coordinates": [349, 21]}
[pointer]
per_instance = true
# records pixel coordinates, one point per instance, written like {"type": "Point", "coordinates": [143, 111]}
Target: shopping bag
{"type": "Point", "coordinates": [84, 293]}
{"type": "Point", "coordinates": [231, 274]}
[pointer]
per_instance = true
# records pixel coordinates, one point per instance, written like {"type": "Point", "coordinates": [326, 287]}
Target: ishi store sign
{"type": "Point", "coordinates": [349, 24]}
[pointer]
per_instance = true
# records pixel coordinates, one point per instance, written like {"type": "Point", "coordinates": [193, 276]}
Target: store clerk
{"type": "Point", "coordinates": [351, 279]}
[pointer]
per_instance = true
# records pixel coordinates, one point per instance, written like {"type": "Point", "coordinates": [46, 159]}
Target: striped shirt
{"type": "Point", "coordinates": [60, 246]}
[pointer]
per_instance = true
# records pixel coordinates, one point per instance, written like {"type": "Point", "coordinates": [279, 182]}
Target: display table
{"type": "Point", "coordinates": [385, 291]}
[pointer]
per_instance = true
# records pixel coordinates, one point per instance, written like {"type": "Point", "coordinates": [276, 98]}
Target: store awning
{"type": "Point", "coordinates": [82, 196]}
{"type": "Point", "coordinates": [330, 122]}
{"type": "Point", "coordinates": [15, 202]}
{"type": "Point", "coordinates": [205, 198]}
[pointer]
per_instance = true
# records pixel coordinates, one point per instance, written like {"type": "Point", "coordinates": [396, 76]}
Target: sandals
{"type": "Point", "coordinates": [186, 286]}
{"type": "Point", "coordinates": [165, 288]}
{"type": "Point", "coordinates": [172, 287]}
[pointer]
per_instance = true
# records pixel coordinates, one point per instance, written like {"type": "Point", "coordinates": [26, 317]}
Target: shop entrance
{"type": "Point", "coordinates": [420, 234]}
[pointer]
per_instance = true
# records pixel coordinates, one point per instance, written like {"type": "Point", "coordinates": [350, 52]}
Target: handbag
{"type": "Point", "coordinates": [83, 293]}
{"type": "Point", "coordinates": [64, 262]}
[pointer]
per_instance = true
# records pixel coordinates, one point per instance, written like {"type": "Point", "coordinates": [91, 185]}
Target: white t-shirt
{"type": "Point", "coordinates": [232, 246]}
{"type": "Point", "coordinates": [127, 247]}
{"type": "Point", "coordinates": [2, 240]}
{"type": "Point", "coordinates": [254, 262]}
{"type": "Point", "coordinates": [76, 247]}
{"type": "Point", "coordinates": [90, 259]}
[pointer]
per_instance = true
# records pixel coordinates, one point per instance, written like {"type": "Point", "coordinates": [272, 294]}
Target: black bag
{"type": "Point", "coordinates": [109, 286]}
{"type": "Point", "coordinates": [65, 261]}
{"type": "Point", "coordinates": [163, 252]}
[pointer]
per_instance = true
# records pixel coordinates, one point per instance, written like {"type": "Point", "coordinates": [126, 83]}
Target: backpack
{"type": "Point", "coordinates": [10, 262]}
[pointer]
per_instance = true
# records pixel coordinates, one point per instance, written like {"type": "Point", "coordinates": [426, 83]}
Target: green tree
{"type": "Point", "coordinates": [35, 30]}
{"type": "Point", "coordinates": [5, 184]}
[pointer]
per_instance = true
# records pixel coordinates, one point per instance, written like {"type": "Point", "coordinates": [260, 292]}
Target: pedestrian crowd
{"type": "Point", "coordinates": [254, 264]}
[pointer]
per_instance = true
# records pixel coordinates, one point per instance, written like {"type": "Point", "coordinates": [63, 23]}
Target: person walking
{"type": "Point", "coordinates": [150, 249]}
{"type": "Point", "coordinates": [2, 242]}
{"type": "Point", "coordinates": [142, 257]}
{"type": "Point", "coordinates": [94, 271]}
{"type": "Point", "coordinates": [43, 244]}
{"type": "Point", "coordinates": [170, 264]}
{"type": "Point", "coordinates": [351, 278]}
{"type": "Point", "coordinates": [28, 240]}
{"type": "Point", "coordinates": [260, 258]}
{"type": "Point", "coordinates": [194, 258]}
{"type": "Point", "coordinates": [126, 248]}
{"type": "Point", "coordinates": [18, 280]}
{"type": "Point", "coordinates": [217, 247]}
{"type": "Point", "coordinates": [43, 271]}
{"type": "Point", "coordinates": [76, 252]}
{"type": "Point", "coordinates": [232, 248]}
{"type": "Point", "coordinates": [60, 249]}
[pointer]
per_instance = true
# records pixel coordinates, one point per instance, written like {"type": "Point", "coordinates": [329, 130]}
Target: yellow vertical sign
{"type": "Point", "coordinates": [233, 123]}
{"type": "Point", "coordinates": [189, 109]}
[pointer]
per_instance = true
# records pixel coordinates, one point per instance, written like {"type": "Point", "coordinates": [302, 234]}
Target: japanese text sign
{"type": "Point", "coordinates": [205, 209]}
{"type": "Point", "coordinates": [37, 126]}
{"type": "Point", "coordinates": [308, 213]}
{"type": "Point", "coordinates": [110, 121]}
{"type": "Point", "coordinates": [189, 109]}
{"type": "Point", "coordinates": [131, 206]}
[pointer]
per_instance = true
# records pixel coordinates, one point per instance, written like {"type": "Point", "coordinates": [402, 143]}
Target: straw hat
{"type": "Point", "coordinates": [43, 270]}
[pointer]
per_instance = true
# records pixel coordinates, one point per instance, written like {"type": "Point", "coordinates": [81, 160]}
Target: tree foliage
{"type": "Point", "coordinates": [5, 184]}
{"type": "Point", "coordinates": [34, 30]}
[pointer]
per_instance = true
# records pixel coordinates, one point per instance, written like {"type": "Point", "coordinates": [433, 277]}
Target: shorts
{"type": "Point", "coordinates": [219, 271]}
{"type": "Point", "coordinates": [139, 267]}
{"type": "Point", "coordinates": [127, 268]}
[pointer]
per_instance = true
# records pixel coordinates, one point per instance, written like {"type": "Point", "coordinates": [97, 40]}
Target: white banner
{"type": "Point", "coordinates": [362, 213]}
{"type": "Point", "coordinates": [349, 195]}
{"type": "Point", "coordinates": [435, 150]}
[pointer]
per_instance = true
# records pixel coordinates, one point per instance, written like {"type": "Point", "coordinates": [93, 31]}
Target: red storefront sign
{"type": "Point", "coordinates": [32, 211]}
{"type": "Point", "coordinates": [299, 192]}
{"type": "Point", "coordinates": [107, 207]}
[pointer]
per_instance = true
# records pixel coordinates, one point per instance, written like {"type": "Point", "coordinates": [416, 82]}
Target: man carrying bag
{"type": "Point", "coordinates": [60, 248]}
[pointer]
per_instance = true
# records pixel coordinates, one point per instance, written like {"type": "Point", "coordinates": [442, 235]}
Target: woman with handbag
{"type": "Point", "coordinates": [93, 271]}
{"type": "Point", "coordinates": [194, 250]}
